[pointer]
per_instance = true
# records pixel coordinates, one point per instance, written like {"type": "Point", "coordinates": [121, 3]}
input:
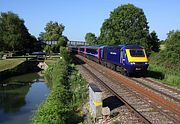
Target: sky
{"type": "Point", "coordinates": [82, 16]}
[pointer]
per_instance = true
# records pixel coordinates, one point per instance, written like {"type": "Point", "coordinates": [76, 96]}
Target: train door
{"type": "Point", "coordinates": [105, 52]}
{"type": "Point", "coordinates": [122, 59]}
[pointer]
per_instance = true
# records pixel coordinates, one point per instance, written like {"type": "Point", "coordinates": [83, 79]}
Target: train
{"type": "Point", "coordinates": [127, 59]}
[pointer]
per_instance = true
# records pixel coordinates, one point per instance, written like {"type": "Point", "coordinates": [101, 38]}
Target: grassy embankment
{"type": "Point", "coordinates": [166, 63]}
{"type": "Point", "coordinates": [10, 63]}
{"type": "Point", "coordinates": [67, 94]}
{"type": "Point", "coordinates": [51, 61]}
{"type": "Point", "coordinates": [159, 70]}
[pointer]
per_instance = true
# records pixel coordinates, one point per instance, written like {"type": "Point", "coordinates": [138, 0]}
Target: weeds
{"type": "Point", "coordinates": [67, 95]}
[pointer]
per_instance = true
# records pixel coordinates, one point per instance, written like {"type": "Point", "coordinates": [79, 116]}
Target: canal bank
{"type": "Point", "coordinates": [22, 68]}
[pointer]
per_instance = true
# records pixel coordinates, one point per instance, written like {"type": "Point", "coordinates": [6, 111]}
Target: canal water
{"type": "Point", "coordinates": [20, 97]}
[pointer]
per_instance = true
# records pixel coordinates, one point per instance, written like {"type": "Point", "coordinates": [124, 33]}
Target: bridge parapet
{"type": "Point", "coordinates": [69, 43]}
{"type": "Point", "coordinates": [77, 43]}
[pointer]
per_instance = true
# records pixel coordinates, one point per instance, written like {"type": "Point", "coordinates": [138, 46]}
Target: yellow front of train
{"type": "Point", "coordinates": [137, 60]}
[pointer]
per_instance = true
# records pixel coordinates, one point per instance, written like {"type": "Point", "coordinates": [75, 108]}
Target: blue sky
{"type": "Point", "coordinates": [82, 16]}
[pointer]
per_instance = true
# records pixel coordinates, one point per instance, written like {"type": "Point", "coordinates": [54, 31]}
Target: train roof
{"type": "Point", "coordinates": [96, 46]}
{"type": "Point", "coordinates": [135, 46]}
{"type": "Point", "coordinates": [125, 46]}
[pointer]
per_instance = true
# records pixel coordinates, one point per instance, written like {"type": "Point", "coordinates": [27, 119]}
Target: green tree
{"type": "Point", "coordinates": [53, 31]}
{"type": "Point", "coordinates": [47, 49]}
{"type": "Point", "coordinates": [14, 35]}
{"type": "Point", "coordinates": [62, 42]}
{"type": "Point", "coordinates": [153, 42]}
{"type": "Point", "coordinates": [127, 24]}
{"type": "Point", "coordinates": [169, 56]}
{"type": "Point", "coordinates": [172, 44]}
{"type": "Point", "coordinates": [170, 33]}
{"type": "Point", "coordinates": [91, 38]}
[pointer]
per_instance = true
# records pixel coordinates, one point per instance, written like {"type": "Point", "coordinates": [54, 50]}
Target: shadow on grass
{"type": "Point", "coordinates": [155, 75]}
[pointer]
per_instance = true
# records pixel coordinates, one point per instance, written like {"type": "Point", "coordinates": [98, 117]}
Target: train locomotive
{"type": "Point", "coordinates": [127, 59]}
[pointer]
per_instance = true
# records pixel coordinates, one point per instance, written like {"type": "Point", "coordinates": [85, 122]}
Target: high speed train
{"type": "Point", "coordinates": [127, 59]}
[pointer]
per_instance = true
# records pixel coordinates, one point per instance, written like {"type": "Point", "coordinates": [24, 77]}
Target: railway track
{"type": "Point", "coordinates": [145, 104]}
{"type": "Point", "coordinates": [169, 93]}
{"type": "Point", "coordinates": [141, 118]}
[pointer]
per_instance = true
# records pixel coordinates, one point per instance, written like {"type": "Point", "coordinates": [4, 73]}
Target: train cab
{"type": "Point", "coordinates": [135, 58]}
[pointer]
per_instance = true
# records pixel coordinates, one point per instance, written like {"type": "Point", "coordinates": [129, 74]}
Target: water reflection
{"type": "Point", "coordinates": [20, 97]}
{"type": "Point", "coordinates": [12, 98]}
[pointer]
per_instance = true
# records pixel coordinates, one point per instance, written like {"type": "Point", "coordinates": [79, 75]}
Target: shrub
{"type": "Point", "coordinates": [68, 92]}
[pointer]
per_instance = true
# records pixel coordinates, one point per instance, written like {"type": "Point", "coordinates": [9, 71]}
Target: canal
{"type": "Point", "coordinates": [20, 97]}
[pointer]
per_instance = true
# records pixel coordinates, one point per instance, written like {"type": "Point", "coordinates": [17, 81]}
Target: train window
{"type": "Point", "coordinates": [137, 53]}
{"type": "Point", "coordinates": [92, 51]}
{"type": "Point", "coordinates": [82, 49]}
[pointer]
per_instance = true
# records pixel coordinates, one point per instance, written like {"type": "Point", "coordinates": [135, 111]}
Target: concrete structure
{"type": "Point", "coordinates": [95, 101]}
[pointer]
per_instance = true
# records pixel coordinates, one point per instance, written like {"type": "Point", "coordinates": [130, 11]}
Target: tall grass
{"type": "Point", "coordinates": [170, 76]}
{"type": "Point", "coordinates": [67, 95]}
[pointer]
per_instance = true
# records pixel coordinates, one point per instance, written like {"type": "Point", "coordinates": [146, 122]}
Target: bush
{"type": "Point", "coordinates": [167, 60]}
{"type": "Point", "coordinates": [68, 92]}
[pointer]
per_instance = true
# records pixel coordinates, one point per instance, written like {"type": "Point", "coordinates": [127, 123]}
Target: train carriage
{"type": "Point", "coordinates": [94, 52]}
{"type": "Point", "coordinates": [125, 58]}
{"type": "Point", "coordinates": [128, 58]}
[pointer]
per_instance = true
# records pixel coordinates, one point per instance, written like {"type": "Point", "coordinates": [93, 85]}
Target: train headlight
{"type": "Point", "coordinates": [146, 63]}
{"type": "Point", "coordinates": [132, 63]}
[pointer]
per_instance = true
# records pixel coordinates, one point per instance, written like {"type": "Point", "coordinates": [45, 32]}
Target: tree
{"type": "Point", "coordinates": [153, 42]}
{"type": "Point", "coordinates": [127, 24]}
{"type": "Point", "coordinates": [91, 38]}
{"type": "Point", "coordinates": [169, 57]}
{"type": "Point", "coordinates": [47, 49]}
{"type": "Point", "coordinates": [62, 42]}
{"type": "Point", "coordinates": [172, 50]}
{"type": "Point", "coordinates": [53, 31]}
{"type": "Point", "coordinates": [170, 33]}
{"type": "Point", "coordinates": [14, 35]}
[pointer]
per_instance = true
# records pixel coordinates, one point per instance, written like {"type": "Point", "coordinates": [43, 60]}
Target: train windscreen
{"type": "Point", "coordinates": [137, 52]}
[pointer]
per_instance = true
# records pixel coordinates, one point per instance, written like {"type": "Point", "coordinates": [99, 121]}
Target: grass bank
{"type": "Point", "coordinates": [10, 63]}
{"type": "Point", "coordinates": [14, 67]}
{"type": "Point", "coordinates": [67, 95]}
{"type": "Point", "coordinates": [165, 75]}
{"type": "Point", "coordinates": [164, 70]}
{"type": "Point", "coordinates": [51, 61]}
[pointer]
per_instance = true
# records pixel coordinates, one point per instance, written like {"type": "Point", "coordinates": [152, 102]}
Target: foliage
{"type": "Point", "coordinates": [153, 42]}
{"type": "Point", "coordinates": [53, 31]}
{"type": "Point", "coordinates": [14, 36]}
{"type": "Point", "coordinates": [127, 24]}
{"type": "Point", "coordinates": [66, 95]}
{"type": "Point", "coordinates": [91, 38]}
{"type": "Point", "coordinates": [170, 76]}
{"type": "Point", "coordinates": [169, 57]}
{"type": "Point", "coordinates": [62, 42]}
{"type": "Point", "coordinates": [47, 49]}
{"type": "Point", "coordinates": [167, 60]}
